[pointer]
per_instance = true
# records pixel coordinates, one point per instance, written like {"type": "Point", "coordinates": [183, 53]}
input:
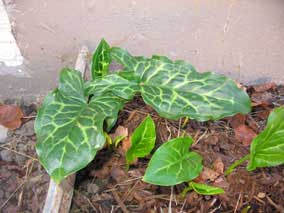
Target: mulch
{"type": "Point", "coordinates": [106, 186]}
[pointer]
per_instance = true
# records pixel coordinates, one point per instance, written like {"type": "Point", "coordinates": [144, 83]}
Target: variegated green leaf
{"type": "Point", "coordinates": [69, 129]}
{"type": "Point", "coordinates": [112, 83]}
{"type": "Point", "coordinates": [101, 60]}
{"type": "Point", "coordinates": [115, 84]}
{"type": "Point", "coordinates": [267, 149]}
{"type": "Point", "coordinates": [142, 140]}
{"type": "Point", "coordinates": [174, 88]}
{"type": "Point", "coordinates": [172, 163]}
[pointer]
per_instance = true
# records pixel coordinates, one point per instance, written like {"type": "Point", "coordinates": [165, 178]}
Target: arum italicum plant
{"type": "Point", "coordinates": [71, 121]}
{"type": "Point", "coordinates": [266, 149]}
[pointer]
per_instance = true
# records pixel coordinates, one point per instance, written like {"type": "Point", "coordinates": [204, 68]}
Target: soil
{"type": "Point", "coordinates": [23, 182]}
{"type": "Point", "coordinates": [106, 186]}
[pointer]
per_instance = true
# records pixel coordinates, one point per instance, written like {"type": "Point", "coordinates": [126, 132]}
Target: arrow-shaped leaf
{"type": "Point", "coordinates": [142, 140]}
{"type": "Point", "coordinates": [101, 60]}
{"type": "Point", "coordinates": [267, 149]}
{"type": "Point", "coordinates": [174, 88]}
{"type": "Point", "coordinates": [69, 129]}
{"type": "Point", "coordinates": [172, 163]}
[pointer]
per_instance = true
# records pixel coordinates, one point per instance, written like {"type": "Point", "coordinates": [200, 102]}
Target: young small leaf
{"type": "Point", "coordinates": [101, 60]}
{"type": "Point", "coordinates": [173, 163]}
{"type": "Point", "coordinates": [118, 139]}
{"type": "Point", "coordinates": [267, 149]}
{"type": "Point", "coordinates": [205, 189]}
{"type": "Point", "coordinates": [142, 140]}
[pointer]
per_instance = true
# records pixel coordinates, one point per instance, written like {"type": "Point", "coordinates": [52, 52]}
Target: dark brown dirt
{"type": "Point", "coordinates": [23, 182]}
{"type": "Point", "coordinates": [105, 185]}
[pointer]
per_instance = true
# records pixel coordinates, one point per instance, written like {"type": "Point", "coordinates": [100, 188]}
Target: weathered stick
{"type": "Point", "coordinates": [59, 197]}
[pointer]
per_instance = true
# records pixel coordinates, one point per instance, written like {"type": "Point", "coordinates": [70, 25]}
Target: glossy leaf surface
{"type": "Point", "coordinates": [142, 140]}
{"type": "Point", "coordinates": [112, 83]}
{"type": "Point", "coordinates": [267, 149]}
{"type": "Point", "coordinates": [101, 60]}
{"type": "Point", "coordinates": [205, 189]}
{"type": "Point", "coordinates": [69, 129]}
{"type": "Point", "coordinates": [174, 88]}
{"type": "Point", "coordinates": [173, 163]}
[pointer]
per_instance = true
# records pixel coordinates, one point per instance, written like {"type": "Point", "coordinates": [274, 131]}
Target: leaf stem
{"type": "Point", "coordinates": [185, 122]}
{"type": "Point", "coordinates": [235, 164]}
{"type": "Point", "coordinates": [185, 190]}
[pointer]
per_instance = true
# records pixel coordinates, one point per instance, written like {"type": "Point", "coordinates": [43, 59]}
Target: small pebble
{"type": "Point", "coordinates": [92, 188]}
{"type": "Point", "coordinates": [261, 195]}
{"type": "Point", "coordinates": [6, 155]}
{"type": "Point", "coordinates": [2, 194]}
{"type": "Point", "coordinates": [27, 129]}
{"type": "Point", "coordinates": [3, 134]}
{"type": "Point", "coordinates": [20, 159]}
{"type": "Point", "coordinates": [207, 197]}
{"type": "Point", "coordinates": [21, 148]}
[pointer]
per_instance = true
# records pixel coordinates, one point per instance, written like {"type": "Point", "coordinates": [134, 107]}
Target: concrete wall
{"type": "Point", "coordinates": [243, 39]}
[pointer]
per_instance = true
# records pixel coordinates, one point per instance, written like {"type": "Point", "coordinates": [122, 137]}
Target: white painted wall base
{"type": "Point", "coordinates": [10, 53]}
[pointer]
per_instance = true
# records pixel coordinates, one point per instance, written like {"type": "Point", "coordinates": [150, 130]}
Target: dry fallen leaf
{"type": "Point", "coordinates": [253, 124]}
{"type": "Point", "coordinates": [10, 116]}
{"type": "Point", "coordinates": [126, 144]}
{"type": "Point", "coordinates": [218, 165]}
{"type": "Point", "coordinates": [261, 99]}
{"type": "Point", "coordinates": [221, 182]}
{"type": "Point", "coordinates": [211, 139]}
{"type": "Point", "coordinates": [263, 114]}
{"type": "Point", "coordinates": [120, 131]}
{"type": "Point", "coordinates": [237, 120]}
{"type": "Point", "coordinates": [264, 87]}
{"type": "Point", "coordinates": [244, 134]}
{"type": "Point", "coordinates": [207, 174]}
{"type": "Point", "coordinates": [118, 174]}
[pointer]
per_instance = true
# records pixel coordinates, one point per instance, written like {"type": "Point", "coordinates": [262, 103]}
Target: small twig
{"type": "Point", "coordinates": [169, 130]}
{"type": "Point", "coordinates": [202, 136]}
{"type": "Point", "coordinates": [4, 204]}
{"type": "Point", "coordinates": [88, 200]}
{"type": "Point", "coordinates": [29, 117]}
{"type": "Point", "coordinates": [171, 198]}
{"type": "Point", "coordinates": [19, 153]}
{"type": "Point", "coordinates": [125, 196]}
{"type": "Point", "coordinates": [258, 199]}
{"type": "Point", "coordinates": [237, 205]}
{"type": "Point", "coordinates": [213, 202]}
{"type": "Point", "coordinates": [215, 209]}
{"type": "Point", "coordinates": [183, 205]}
{"type": "Point", "coordinates": [278, 207]}
{"type": "Point", "coordinates": [119, 202]}
{"type": "Point", "coordinates": [179, 127]}
{"type": "Point", "coordinates": [28, 173]}
{"type": "Point", "coordinates": [124, 183]}
{"type": "Point", "coordinates": [162, 197]}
